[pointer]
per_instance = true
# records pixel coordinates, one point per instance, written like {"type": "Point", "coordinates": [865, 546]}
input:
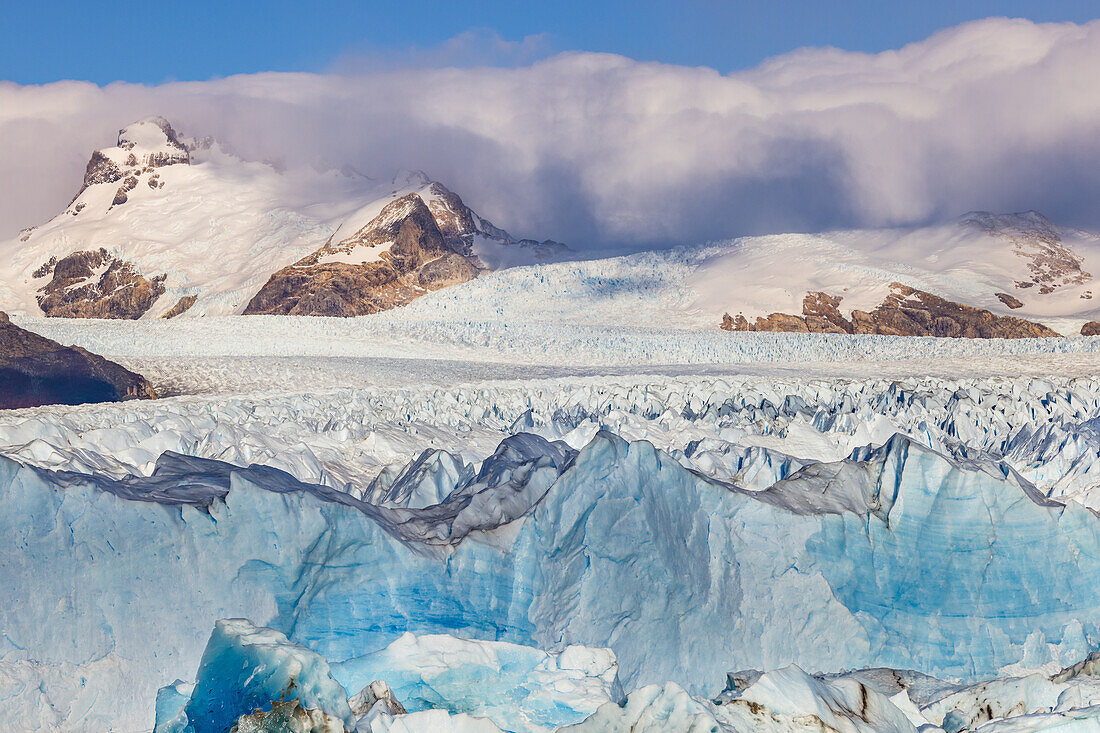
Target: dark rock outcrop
{"type": "Point", "coordinates": [182, 306]}
{"type": "Point", "coordinates": [35, 370]}
{"type": "Point", "coordinates": [1010, 301]}
{"type": "Point", "coordinates": [100, 169]}
{"type": "Point", "coordinates": [1036, 240]}
{"type": "Point", "coordinates": [128, 184]}
{"type": "Point", "coordinates": [96, 284]}
{"type": "Point", "coordinates": [1092, 328]}
{"type": "Point", "coordinates": [906, 311]}
{"type": "Point", "coordinates": [420, 258]}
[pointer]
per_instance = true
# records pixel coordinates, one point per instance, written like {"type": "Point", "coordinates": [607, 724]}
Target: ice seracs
{"type": "Point", "coordinates": [246, 669]}
{"type": "Point", "coordinates": [466, 686]}
{"type": "Point", "coordinates": [254, 680]}
{"type": "Point", "coordinates": [546, 547]}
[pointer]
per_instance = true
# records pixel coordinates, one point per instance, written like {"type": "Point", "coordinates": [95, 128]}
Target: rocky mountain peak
{"type": "Point", "coordinates": [1028, 223]}
{"type": "Point", "coordinates": [151, 132]}
{"type": "Point", "coordinates": [1051, 263]}
{"type": "Point", "coordinates": [143, 146]}
{"type": "Point", "coordinates": [399, 255]}
{"type": "Point", "coordinates": [410, 179]}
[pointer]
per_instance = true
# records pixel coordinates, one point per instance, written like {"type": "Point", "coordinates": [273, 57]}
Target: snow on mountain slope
{"type": "Point", "coordinates": [692, 287]}
{"type": "Point", "coordinates": [1049, 269]}
{"type": "Point", "coordinates": [197, 221]}
{"type": "Point", "coordinates": [468, 232]}
{"type": "Point", "coordinates": [214, 224]}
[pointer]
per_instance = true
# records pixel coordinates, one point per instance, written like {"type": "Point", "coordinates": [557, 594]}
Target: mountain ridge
{"type": "Point", "coordinates": [187, 229]}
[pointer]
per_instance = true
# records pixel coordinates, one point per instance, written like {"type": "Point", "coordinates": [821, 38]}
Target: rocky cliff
{"type": "Point", "coordinates": [96, 284]}
{"type": "Point", "coordinates": [35, 370]}
{"type": "Point", "coordinates": [906, 311]}
{"type": "Point", "coordinates": [417, 243]}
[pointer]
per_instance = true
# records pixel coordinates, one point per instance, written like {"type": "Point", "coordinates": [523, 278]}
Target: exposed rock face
{"type": "Point", "coordinates": [1010, 301]}
{"type": "Point", "coordinates": [905, 312]}
{"type": "Point", "coordinates": [182, 305]}
{"type": "Point", "coordinates": [128, 184]}
{"type": "Point", "coordinates": [822, 313]}
{"type": "Point", "coordinates": [95, 284]}
{"type": "Point", "coordinates": [158, 146]}
{"type": "Point", "coordinates": [100, 169]}
{"type": "Point", "coordinates": [35, 370]}
{"type": "Point", "coordinates": [455, 220]}
{"type": "Point", "coordinates": [1092, 328]}
{"type": "Point", "coordinates": [288, 717]}
{"type": "Point", "coordinates": [403, 253]}
{"type": "Point", "coordinates": [1036, 239]}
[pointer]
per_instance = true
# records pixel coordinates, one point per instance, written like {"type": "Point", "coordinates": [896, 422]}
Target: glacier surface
{"type": "Point", "coordinates": [942, 526]}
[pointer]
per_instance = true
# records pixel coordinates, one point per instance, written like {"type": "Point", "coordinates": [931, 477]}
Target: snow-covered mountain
{"type": "Point", "coordinates": [167, 225]}
{"type": "Point", "coordinates": [995, 275]}
{"type": "Point", "coordinates": [419, 238]}
{"type": "Point", "coordinates": [1021, 265]}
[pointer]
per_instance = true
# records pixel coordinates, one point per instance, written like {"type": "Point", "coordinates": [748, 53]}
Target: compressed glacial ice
{"type": "Point", "coordinates": [519, 688]}
{"type": "Point", "coordinates": [245, 668]}
{"type": "Point", "coordinates": [769, 515]}
{"type": "Point", "coordinates": [344, 577]}
{"type": "Point", "coordinates": [467, 686]}
{"type": "Point", "coordinates": [786, 700]}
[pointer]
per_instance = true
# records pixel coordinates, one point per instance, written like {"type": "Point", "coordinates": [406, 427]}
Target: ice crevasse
{"type": "Point", "coordinates": [546, 546]}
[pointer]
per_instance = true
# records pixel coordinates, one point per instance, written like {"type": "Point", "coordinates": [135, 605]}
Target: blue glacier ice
{"type": "Point", "coordinates": [245, 668]}
{"type": "Point", "coordinates": [518, 687]}
{"type": "Point", "coordinates": [900, 556]}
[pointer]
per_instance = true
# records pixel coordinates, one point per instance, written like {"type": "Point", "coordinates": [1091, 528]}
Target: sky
{"type": "Point", "coordinates": [154, 42]}
{"type": "Point", "coordinates": [601, 125]}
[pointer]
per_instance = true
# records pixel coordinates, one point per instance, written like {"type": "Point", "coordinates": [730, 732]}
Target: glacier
{"type": "Point", "coordinates": [554, 554]}
{"type": "Point", "coordinates": [490, 687]}
{"type": "Point", "coordinates": [400, 532]}
{"type": "Point", "coordinates": [244, 668]}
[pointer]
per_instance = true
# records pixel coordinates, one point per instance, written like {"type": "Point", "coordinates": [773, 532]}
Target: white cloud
{"type": "Point", "coordinates": [600, 149]}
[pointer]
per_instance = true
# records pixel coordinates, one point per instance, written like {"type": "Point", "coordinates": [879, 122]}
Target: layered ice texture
{"type": "Point", "coordinates": [245, 668]}
{"type": "Point", "coordinates": [488, 687]}
{"type": "Point", "coordinates": [692, 525]}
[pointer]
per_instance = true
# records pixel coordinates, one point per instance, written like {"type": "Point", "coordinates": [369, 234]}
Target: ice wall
{"type": "Point", "coordinates": [948, 567]}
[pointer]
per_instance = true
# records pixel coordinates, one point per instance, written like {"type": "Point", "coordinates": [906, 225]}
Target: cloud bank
{"type": "Point", "coordinates": [600, 150]}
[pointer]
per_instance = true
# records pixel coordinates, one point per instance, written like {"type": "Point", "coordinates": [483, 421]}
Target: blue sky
{"type": "Point", "coordinates": [155, 41]}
